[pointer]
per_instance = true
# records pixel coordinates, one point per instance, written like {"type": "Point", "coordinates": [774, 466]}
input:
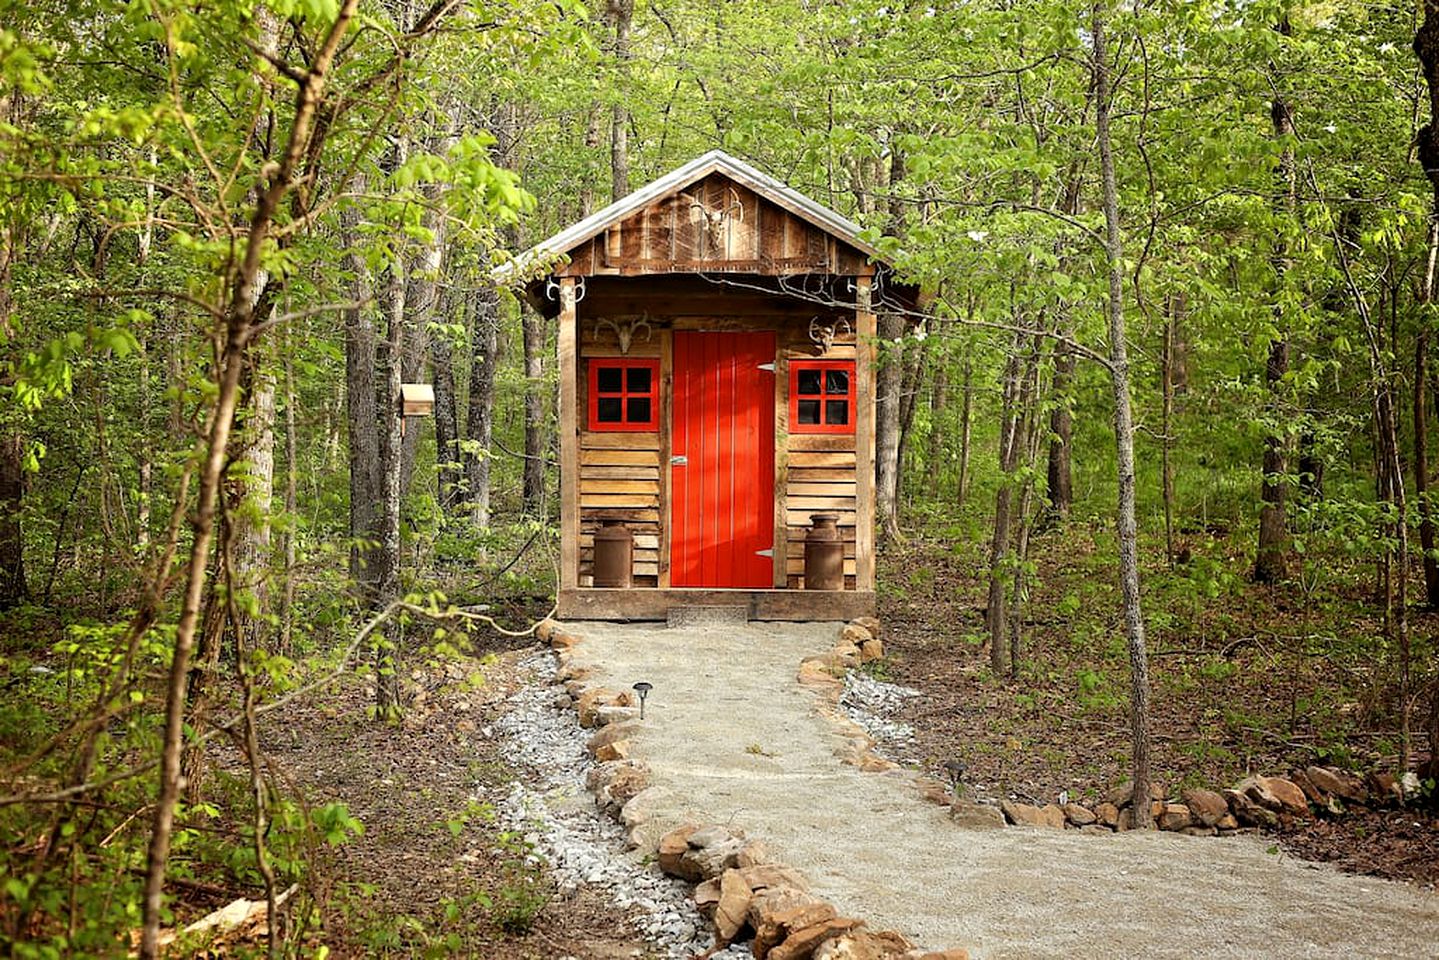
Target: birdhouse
{"type": "Point", "coordinates": [417, 399]}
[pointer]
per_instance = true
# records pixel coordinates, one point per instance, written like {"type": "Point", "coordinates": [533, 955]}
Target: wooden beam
{"type": "Point", "coordinates": [781, 470]}
{"type": "Point", "coordinates": [864, 421]}
{"type": "Point", "coordinates": [569, 439]}
{"type": "Point", "coordinates": [667, 393]}
{"type": "Point", "coordinates": [642, 603]}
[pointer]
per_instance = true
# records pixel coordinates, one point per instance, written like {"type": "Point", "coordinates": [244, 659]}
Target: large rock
{"type": "Point", "coordinates": [1337, 783]}
{"type": "Point", "coordinates": [1248, 812]}
{"type": "Point", "coordinates": [1275, 794]}
{"type": "Point", "coordinates": [864, 944]}
{"type": "Point", "coordinates": [1108, 814]}
{"type": "Point", "coordinates": [1175, 816]}
{"type": "Point", "coordinates": [872, 624]}
{"type": "Point", "coordinates": [855, 634]}
{"type": "Point", "coordinates": [871, 650]}
{"type": "Point", "coordinates": [975, 816]}
{"type": "Point", "coordinates": [730, 912]}
{"type": "Point", "coordinates": [1206, 806]}
{"type": "Point", "coordinates": [590, 701]}
{"type": "Point", "coordinates": [611, 734]}
{"type": "Point", "coordinates": [803, 941]}
{"type": "Point", "coordinates": [1024, 814]}
{"type": "Point", "coordinates": [671, 855]}
{"type": "Point", "coordinates": [1383, 787]}
{"type": "Point", "coordinates": [1121, 795]}
{"type": "Point", "coordinates": [616, 783]}
{"type": "Point", "coordinates": [772, 915]}
{"type": "Point", "coordinates": [752, 853]}
{"type": "Point", "coordinates": [955, 953]}
{"type": "Point", "coordinates": [770, 876]}
{"type": "Point", "coordinates": [1079, 815]}
{"type": "Point", "coordinates": [607, 715]}
{"type": "Point", "coordinates": [707, 897]}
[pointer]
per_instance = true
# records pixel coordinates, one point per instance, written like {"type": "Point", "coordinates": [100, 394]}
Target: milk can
{"type": "Point", "coordinates": [823, 553]}
{"type": "Point", "coordinates": [614, 555]}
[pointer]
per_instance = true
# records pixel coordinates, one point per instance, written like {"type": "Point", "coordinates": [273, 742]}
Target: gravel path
{"type": "Point", "coordinates": [732, 738]}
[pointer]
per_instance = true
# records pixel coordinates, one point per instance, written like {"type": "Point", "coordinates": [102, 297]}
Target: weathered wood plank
{"type": "Point", "coordinates": [864, 420]}
{"type": "Point", "coordinates": [800, 517]}
{"type": "Point", "coordinates": [838, 487]}
{"type": "Point", "coordinates": [594, 514]}
{"type": "Point", "coordinates": [620, 440]}
{"type": "Point", "coordinates": [822, 441]}
{"type": "Point", "coordinates": [810, 458]}
{"type": "Point", "coordinates": [601, 472]}
{"type": "Point", "coordinates": [609, 486]}
{"type": "Point", "coordinates": [821, 475]}
{"type": "Point", "coordinates": [636, 500]}
{"type": "Point", "coordinates": [569, 447]}
{"type": "Point", "coordinates": [645, 604]}
{"type": "Point", "coordinates": [821, 504]}
{"type": "Point", "coordinates": [612, 457]}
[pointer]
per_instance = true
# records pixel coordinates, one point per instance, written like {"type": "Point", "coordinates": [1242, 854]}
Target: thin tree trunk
{"type": "Point", "coordinates": [938, 399]}
{"type": "Point", "coordinates": [479, 418]}
{"type": "Point", "coordinates": [13, 589]}
{"type": "Point", "coordinates": [1128, 530]}
{"type": "Point", "coordinates": [292, 479]}
{"type": "Point", "coordinates": [1166, 373]}
{"type": "Point", "coordinates": [966, 429]}
{"type": "Point", "coordinates": [1060, 484]}
{"type": "Point", "coordinates": [889, 381]}
{"type": "Point", "coordinates": [999, 548]}
{"type": "Point", "coordinates": [239, 320]}
{"type": "Point", "coordinates": [387, 576]}
{"type": "Point", "coordinates": [447, 424]}
{"type": "Point", "coordinates": [1270, 561]}
{"type": "Point", "coordinates": [533, 329]}
{"type": "Point", "coordinates": [361, 412]}
{"type": "Point", "coordinates": [621, 13]}
{"type": "Point", "coordinates": [1029, 434]}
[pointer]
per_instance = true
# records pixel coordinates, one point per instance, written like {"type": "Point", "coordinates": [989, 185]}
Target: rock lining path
{"type": "Point", "coordinates": [732, 738]}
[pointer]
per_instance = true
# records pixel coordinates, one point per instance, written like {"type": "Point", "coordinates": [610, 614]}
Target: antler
{"type": "Point", "coordinates": [735, 205]}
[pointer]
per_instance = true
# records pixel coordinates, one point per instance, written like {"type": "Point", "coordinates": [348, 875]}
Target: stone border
{"type": "Point", "coordinates": [738, 886]}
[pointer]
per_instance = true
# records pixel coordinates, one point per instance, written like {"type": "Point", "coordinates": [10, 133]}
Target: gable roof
{"type": "Point", "coordinates": [716, 161]}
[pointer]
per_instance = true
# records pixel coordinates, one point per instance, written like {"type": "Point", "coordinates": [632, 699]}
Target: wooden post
{"type": "Point", "coordinates": [781, 466]}
{"type": "Point", "coordinates": [864, 354]}
{"type": "Point", "coordinates": [666, 421]}
{"type": "Point", "coordinates": [569, 440]}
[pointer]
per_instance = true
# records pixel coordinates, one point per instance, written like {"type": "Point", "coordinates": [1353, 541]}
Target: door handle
{"type": "Point", "coordinates": [679, 461]}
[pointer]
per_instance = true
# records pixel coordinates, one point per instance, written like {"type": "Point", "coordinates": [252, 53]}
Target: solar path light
{"type": "Point", "coordinates": [643, 689]}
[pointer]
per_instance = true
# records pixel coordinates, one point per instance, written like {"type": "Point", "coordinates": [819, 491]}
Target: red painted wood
{"type": "Point", "coordinates": [722, 513]}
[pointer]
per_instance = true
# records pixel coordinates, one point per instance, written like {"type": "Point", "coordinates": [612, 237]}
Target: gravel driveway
{"type": "Point", "coordinates": [732, 738]}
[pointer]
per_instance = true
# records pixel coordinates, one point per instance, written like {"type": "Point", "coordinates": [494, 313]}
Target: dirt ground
{"type": "Point", "coordinates": [1239, 685]}
{"type": "Point", "coordinates": [408, 886]}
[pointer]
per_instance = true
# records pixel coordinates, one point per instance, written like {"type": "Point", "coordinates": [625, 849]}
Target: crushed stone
{"type": "Point", "coordinates": [569, 836]}
{"type": "Point", "coordinates": [871, 703]}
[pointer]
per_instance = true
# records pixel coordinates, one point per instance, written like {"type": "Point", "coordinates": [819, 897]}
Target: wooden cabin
{"type": "Point", "coordinates": [716, 371]}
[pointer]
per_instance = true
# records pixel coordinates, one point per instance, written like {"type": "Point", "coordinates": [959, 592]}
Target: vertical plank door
{"type": "Point", "coordinates": [722, 460]}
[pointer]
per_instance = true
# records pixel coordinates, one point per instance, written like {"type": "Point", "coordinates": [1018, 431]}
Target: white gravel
{"type": "Point", "coordinates": [575, 842]}
{"type": "Point", "coordinates": [870, 703]}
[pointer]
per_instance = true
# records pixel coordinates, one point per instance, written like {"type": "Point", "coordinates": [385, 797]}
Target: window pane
{"type": "Point", "coordinates": [836, 412]}
{"type": "Point", "coordinates": [809, 382]}
{"type": "Point", "coordinates": [611, 379]}
{"type": "Point", "coordinates": [639, 410]}
{"type": "Point", "coordinates": [836, 381]}
{"type": "Point", "coordinates": [809, 411]}
{"type": "Point", "coordinates": [638, 380]}
{"type": "Point", "coordinates": [610, 410]}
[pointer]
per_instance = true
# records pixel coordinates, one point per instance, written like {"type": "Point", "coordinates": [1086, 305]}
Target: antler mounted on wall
{"type": "Point", "coordinates": [823, 334]}
{"type": "Point", "coordinates": [625, 330]}
{"type": "Point", "coordinates": [714, 220]}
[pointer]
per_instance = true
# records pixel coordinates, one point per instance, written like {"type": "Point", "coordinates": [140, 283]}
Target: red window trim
{"type": "Point", "coordinates": [795, 366]}
{"type": "Point", "coordinates": [624, 364]}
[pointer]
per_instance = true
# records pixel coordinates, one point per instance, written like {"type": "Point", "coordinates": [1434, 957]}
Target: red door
{"type": "Point", "coordinates": [722, 464]}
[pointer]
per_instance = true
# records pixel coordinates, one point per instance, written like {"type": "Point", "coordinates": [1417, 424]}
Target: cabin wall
{"type": "Point", "coordinates": [625, 475]}
{"type": "Point", "coordinates": [620, 473]}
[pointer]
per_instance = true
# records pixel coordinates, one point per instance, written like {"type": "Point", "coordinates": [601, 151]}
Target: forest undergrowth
{"type": "Point", "coordinates": [1245, 679]}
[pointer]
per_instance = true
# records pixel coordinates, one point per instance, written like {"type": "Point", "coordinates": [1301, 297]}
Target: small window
{"type": "Point", "coordinates": [821, 396]}
{"type": "Point", "coordinates": [624, 395]}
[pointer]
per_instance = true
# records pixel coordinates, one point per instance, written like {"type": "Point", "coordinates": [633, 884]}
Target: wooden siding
{"type": "Point", "coordinates": [717, 225]}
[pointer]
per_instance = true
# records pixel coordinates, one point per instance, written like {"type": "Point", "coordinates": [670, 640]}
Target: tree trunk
{"type": "Point", "coordinates": [13, 590]}
{"type": "Point", "coordinates": [1270, 562]}
{"type": "Point", "coordinates": [938, 399]}
{"type": "Point", "coordinates": [1029, 440]}
{"type": "Point", "coordinates": [535, 434]}
{"type": "Point", "coordinates": [1166, 373]}
{"type": "Point", "coordinates": [479, 417]}
{"type": "Point", "coordinates": [448, 478]}
{"type": "Point", "coordinates": [621, 13]}
{"type": "Point", "coordinates": [888, 403]}
{"type": "Point", "coordinates": [966, 429]}
{"type": "Point", "coordinates": [999, 547]}
{"type": "Point", "coordinates": [1128, 530]}
{"type": "Point", "coordinates": [361, 412]}
{"type": "Point", "coordinates": [1060, 483]}
{"type": "Point", "coordinates": [387, 573]}
{"type": "Point", "coordinates": [292, 481]}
